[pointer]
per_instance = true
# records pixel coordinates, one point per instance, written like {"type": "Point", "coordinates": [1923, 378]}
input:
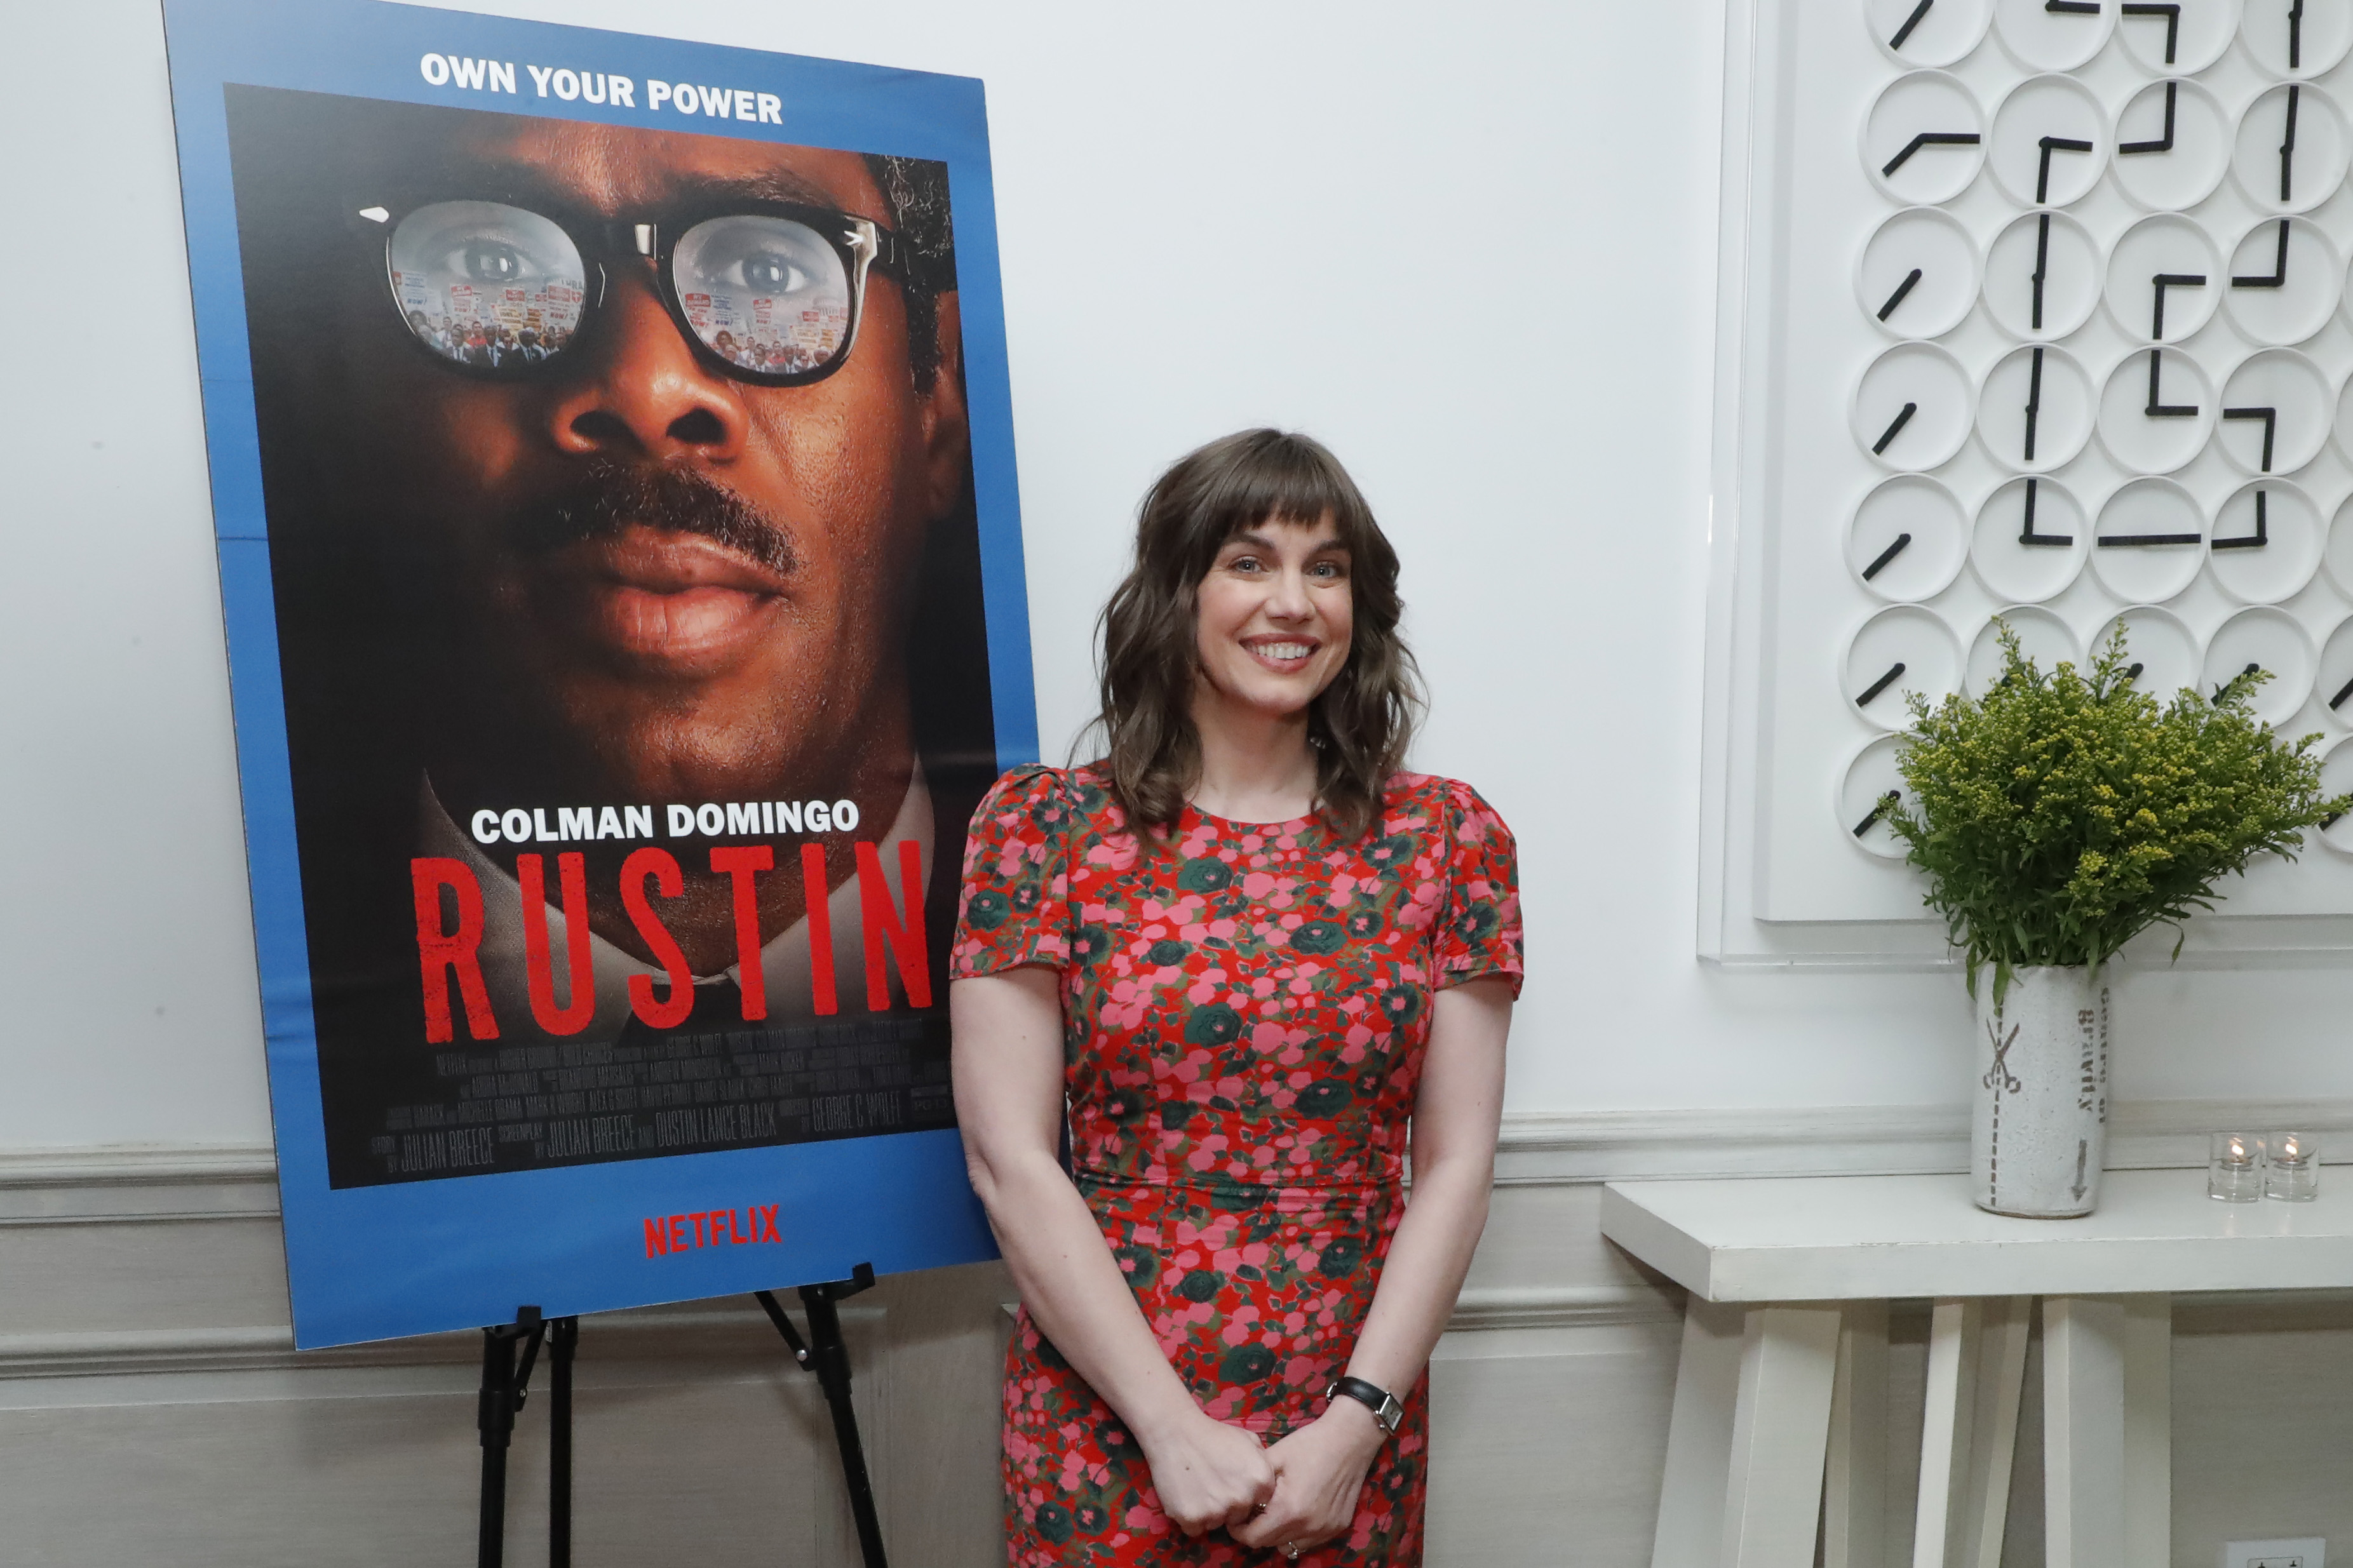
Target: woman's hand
{"type": "Point", "coordinates": [1208, 1473]}
{"type": "Point", "coordinates": [1319, 1469]}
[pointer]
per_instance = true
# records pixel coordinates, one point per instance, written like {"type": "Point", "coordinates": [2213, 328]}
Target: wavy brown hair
{"type": "Point", "coordinates": [1359, 725]}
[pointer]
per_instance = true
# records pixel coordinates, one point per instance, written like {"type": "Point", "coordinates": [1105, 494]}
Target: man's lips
{"type": "Point", "coordinates": [677, 599]}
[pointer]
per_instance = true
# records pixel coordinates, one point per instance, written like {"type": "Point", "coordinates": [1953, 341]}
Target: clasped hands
{"type": "Point", "coordinates": [1298, 1493]}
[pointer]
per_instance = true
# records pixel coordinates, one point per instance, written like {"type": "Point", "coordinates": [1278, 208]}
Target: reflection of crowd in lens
{"type": "Point", "coordinates": [765, 356]}
{"type": "Point", "coordinates": [491, 344]}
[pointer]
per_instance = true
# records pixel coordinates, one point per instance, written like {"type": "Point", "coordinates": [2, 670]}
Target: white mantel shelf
{"type": "Point", "coordinates": [1826, 1238]}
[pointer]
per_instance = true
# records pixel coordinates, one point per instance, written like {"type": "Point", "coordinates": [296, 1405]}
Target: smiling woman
{"type": "Point", "coordinates": [1271, 952]}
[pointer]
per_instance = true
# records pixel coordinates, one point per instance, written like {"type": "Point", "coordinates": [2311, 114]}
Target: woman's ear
{"type": "Point", "coordinates": [947, 424]}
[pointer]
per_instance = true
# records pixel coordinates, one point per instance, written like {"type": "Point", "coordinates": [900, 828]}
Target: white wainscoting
{"type": "Point", "coordinates": [152, 1407]}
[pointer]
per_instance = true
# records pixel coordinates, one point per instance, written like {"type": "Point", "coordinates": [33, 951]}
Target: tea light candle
{"type": "Point", "coordinates": [2234, 1167]}
{"type": "Point", "coordinates": [2294, 1176]}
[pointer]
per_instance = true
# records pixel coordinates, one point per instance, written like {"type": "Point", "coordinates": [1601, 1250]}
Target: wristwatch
{"type": "Point", "coordinates": [1384, 1404]}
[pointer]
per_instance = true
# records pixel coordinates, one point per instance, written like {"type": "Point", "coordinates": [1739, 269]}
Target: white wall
{"type": "Point", "coordinates": [1473, 248]}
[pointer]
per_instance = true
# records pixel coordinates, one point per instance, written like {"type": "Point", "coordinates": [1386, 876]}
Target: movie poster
{"type": "Point", "coordinates": [613, 469]}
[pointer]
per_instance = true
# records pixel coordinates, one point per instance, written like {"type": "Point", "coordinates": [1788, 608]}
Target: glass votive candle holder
{"type": "Point", "coordinates": [2234, 1167]}
{"type": "Point", "coordinates": [2291, 1174]}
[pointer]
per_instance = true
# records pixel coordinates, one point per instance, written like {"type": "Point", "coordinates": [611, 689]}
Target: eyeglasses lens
{"type": "Point", "coordinates": [766, 294]}
{"type": "Point", "coordinates": [486, 284]}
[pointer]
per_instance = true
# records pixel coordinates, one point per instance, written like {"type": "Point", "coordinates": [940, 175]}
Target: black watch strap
{"type": "Point", "coordinates": [1384, 1404]}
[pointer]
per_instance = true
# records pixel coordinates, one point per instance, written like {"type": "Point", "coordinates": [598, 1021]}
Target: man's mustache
{"type": "Point", "coordinates": [610, 497]}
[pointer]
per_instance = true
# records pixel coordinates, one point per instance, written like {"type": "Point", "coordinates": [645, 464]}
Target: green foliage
{"type": "Point", "coordinates": [2059, 818]}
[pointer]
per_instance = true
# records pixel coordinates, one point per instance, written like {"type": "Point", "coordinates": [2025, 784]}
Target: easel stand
{"type": "Point", "coordinates": [828, 1355]}
{"type": "Point", "coordinates": [510, 1350]}
{"type": "Point", "coordinates": [506, 1380]}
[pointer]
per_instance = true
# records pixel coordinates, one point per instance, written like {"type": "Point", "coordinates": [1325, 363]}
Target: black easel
{"type": "Point", "coordinates": [506, 1382]}
{"type": "Point", "coordinates": [828, 1355]}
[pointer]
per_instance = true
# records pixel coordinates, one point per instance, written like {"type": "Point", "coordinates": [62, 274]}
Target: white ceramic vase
{"type": "Point", "coordinates": [2039, 1127]}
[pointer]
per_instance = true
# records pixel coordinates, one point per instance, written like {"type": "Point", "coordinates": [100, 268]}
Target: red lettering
{"type": "Point", "coordinates": [766, 1216]}
{"type": "Point", "coordinates": [572, 871]}
{"type": "Point", "coordinates": [820, 928]}
{"type": "Point", "coordinates": [662, 866]}
{"type": "Point", "coordinates": [697, 1219]}
{"type": "Point", "coordinates": [883, 924]}
{"type": "Point", "coordinates": [441, 954]}
{"type": "Point", "coordinates": [657, 1238]}
{"type": "Point", "coordinates": [735, 1234]}
{"type": "Point", "coordinates": [742, 862]}
{"type": "Point", "coordinates": [678, 1233]}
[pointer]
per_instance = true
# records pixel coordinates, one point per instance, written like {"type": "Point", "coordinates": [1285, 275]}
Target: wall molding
{"type": "Point", "coordinates": [1548, 1148]}
{"type": "Point", "coordinates": [1536, 1148]}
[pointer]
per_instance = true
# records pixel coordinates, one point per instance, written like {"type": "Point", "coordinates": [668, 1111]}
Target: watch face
{"type": "Point", "coordinates": [1927, 32]}
{"type": "Point", "coordinates": [2172, 145]}
{"type": "Point", "coordinates": [1900, 653]}
{"type": "Point", "coordinates": [2269, 639]}
{"type": "Point", "coordinates": [2150, 541]}
{"type": "Point", "coordinates": [2042, 277]}
{"type": "Point", "coordinates": [2178, 37]}
{"type": "Point", "coordinates": [2042, 638]}
{"type": "Point", "coordinates": [2036, 409]}
{"type": "Point", "coordinates": [1908, 538]}
{"type": "Point", "coordinates": [2290, 151]}
{"type": "Point", "coordinates": [2049, 142]}
{"type": "Point", "coordinates": [2164, 655]}
{"type": "Point", "coordinates": [2301, 39]}
{"type": "Point", "coordinates": [1917, 277]}
{"type": "Point", "coordinates": [2278, 410]}
{"type": "Point", "coordinates": [2285, 280]}
{"type": "Point", "coordinates": [1923, 141]}
{"type": "Point", "coordinates": [2265, 543]}
{"type": "Point", "coordinates": [2031, 541]}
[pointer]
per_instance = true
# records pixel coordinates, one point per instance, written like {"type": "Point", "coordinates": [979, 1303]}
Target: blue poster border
{"type": "Point", "coordinates": [377, 1262]}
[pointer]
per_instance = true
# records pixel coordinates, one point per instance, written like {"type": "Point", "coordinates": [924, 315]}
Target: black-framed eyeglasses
{"type": "Point", "coordinates": [768, 292]}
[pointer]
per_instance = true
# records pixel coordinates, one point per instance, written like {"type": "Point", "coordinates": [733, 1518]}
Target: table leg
{"type": "Point", "coordinates": [1747, 1435]}
{"type": "Point", "coordinates": [1854, 1474]}
{"type": "Point", "coordinates": [2084, 1432]}
{"type": "Point", "coordinates": [1780, 1433]}
{"type": "Point", "coordinates": [1699, 1437]}
{"type": "Point", "coordinates": [1969, 1435]}
{"type": "Point", "coordinates": [2149, 1431]}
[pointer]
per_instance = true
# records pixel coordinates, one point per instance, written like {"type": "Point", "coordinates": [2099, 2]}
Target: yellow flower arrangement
{"type": "Point", "coordinates": [2057, 817]}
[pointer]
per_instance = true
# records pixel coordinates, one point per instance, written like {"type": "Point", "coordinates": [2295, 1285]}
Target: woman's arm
{"type": "Point", "coordinates": [1456, 1114]}
{"type": "Point", "coordinates": [1009, 1097]}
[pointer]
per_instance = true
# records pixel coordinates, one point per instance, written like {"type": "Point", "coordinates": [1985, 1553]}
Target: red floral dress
{"type": "Point", "coordinates": [1246, 1010]}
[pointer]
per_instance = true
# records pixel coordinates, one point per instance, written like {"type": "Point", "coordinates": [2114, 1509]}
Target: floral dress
{"type": "Point", "coordinates": [1245, 1008]}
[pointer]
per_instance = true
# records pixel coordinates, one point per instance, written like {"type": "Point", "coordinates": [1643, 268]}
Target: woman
{"type": "Point", "coordinates": [1242, 950]}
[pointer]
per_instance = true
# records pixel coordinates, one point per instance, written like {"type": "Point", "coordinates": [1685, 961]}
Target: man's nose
{"type": "Point", "coordinates": [638, 391]}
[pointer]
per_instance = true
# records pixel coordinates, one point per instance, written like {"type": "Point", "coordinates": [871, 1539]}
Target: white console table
{"type": "Point", "coordinates": [1779, 1407]}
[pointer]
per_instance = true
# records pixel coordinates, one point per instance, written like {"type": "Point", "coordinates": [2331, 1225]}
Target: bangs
{"type": "Point", "coordinates": [1282, 479]}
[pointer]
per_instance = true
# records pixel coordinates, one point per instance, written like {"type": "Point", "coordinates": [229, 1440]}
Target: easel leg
{"type": "Point", "coordinates": [563, 1340]}
{"type": "Point", "coordinates": [830, 1358]}
{"type": "Point", "coordinates": [828, 1355]}
{"type": "Point", "coordinates": [504, 1383]}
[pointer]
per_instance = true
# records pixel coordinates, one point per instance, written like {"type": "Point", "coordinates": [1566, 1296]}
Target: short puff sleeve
{"type": "Point", "coordinates": [1481, 932]}
{"type": "Point", "coordinates": [1014, 908]}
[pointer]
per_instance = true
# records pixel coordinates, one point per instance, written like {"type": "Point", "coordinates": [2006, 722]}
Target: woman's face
{"type": "Point", "coordinates": [1274, 616]}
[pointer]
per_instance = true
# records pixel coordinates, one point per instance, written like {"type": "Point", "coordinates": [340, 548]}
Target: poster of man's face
{"type": "Point", "coordinates": [628, 589]}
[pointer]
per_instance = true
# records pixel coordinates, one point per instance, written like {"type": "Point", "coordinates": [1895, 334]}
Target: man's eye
{"type": "Point", "coordinates": [485, 260]}
{"type": "Point", "coordinates": [770, 272]}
